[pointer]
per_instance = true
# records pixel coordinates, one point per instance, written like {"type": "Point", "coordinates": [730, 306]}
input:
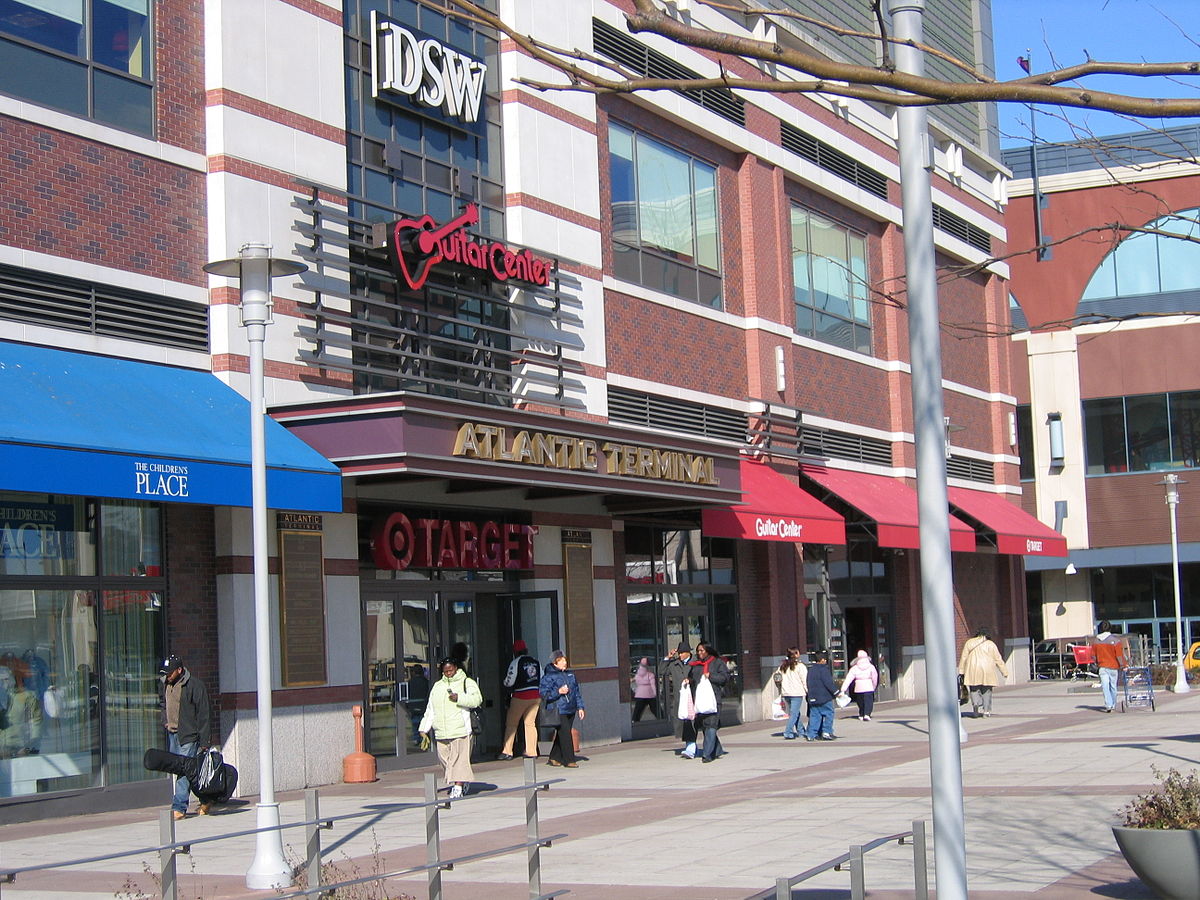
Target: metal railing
{"type": "Point", "coordinates": [853, 862]}
{"type": "Point", "coordinates": [170, 849]}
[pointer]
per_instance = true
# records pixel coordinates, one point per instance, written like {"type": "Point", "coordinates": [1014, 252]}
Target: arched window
{"type": "Point", "coordinates": [1151, 263]}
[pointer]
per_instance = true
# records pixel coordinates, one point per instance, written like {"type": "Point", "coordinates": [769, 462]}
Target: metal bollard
{"type": "Point", "coordinates": [858, 888]}
{"type": "Point", "coordinates": [534, 852]}
{"type": "Point", "coordinates": [783, 889]}
{"type": "Point", "coordinates": [920, 861]}
{"type": "Point", "coordinates": [433, 848]}
{"type": "Point", "coordinates": [166, 856]}
{"type": "Point", "coordinates": [312, 837]}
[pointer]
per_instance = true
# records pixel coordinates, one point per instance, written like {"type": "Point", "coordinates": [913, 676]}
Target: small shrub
{"type": "Point", "coordinates": [1174, 803]}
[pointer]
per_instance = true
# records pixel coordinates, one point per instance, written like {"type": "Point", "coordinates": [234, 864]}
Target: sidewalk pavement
{"type": "Point", "coordinates": [1043, 780]}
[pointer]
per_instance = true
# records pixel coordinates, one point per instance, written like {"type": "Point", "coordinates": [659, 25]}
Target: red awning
{"type": "Point", "coordinates": [890, 503]}
{"type": "Point", "coordinates": [1017, 532]}
{"type": "Point", "coordinates": [774, 509]}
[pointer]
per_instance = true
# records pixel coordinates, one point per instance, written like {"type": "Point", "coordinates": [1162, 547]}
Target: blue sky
{"type": "Point", "coordinates": [1065, 32]}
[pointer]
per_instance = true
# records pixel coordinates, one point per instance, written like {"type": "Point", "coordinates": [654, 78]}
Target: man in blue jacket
{"type": "Point", "coordinates": [821, 691]}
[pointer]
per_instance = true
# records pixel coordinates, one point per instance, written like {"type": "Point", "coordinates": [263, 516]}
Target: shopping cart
{"type": "Point", "coordinates": [1085, 662]}
{"type": "Point", "coordinates": [1139, 688]}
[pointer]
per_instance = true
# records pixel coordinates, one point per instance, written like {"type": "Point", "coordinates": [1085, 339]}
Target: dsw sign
{"type": "Point", "coordinates": [421, 67]}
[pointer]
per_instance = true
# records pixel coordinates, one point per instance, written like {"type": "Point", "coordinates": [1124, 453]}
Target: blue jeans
{"type": "Point", "coordinates": [179, 802]}
{"type": "Point", "coordinates": [820, 719]}
{"type": "Point", "coordinates": [793, 723]}
{"type": "Point", "coordinates": [706, 730]}
{"type": "Point", "coordinates": [1108, 684]}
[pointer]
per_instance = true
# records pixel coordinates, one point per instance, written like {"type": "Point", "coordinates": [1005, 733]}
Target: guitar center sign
{"type": "Point", "coordinates": [411, 64]}
{"type": "Point", "coordinates": [417, 245]}
{"type": "Point", "coordinates": [556, 451]}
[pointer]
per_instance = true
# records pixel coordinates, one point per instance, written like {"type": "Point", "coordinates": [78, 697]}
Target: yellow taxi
{"type": "Point", "coordinates": [1192, 663]}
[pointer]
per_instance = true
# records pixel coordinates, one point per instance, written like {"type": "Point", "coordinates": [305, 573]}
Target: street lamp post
{"type": "Point", "coordinates": [255, 268]}
{"type": "Point", "coordinates": [1170, 484]}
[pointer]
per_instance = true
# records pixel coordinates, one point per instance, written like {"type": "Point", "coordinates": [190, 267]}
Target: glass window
{"type": "Point", "coordinates": [1104, 435]}
{"type": "Point", "coordinates": [132, 538]}
{"type": "Point", "coordinates": [87, 58]}
{"type": "Point", "coordinates": [829, 280]}
{"type": "Point", "coordinates": [48, 673]}
{"type": "Point", "coordinates": [44, 535]}
{"type": "Point", "coordinates": [1185, 428]}
{"type": "Point", "coordinates": [1146, 426]}
{"type": "Point", "coordinates": [664, 217]}
{"type": "Point", "coordinates": [1025, 442]}
{"type": "Point", "coordinates": [1151, 263]}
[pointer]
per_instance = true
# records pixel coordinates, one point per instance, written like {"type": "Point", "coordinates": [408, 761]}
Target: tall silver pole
{"type": "Point", "coordinates": [937, 588]}
{"type": "Point", "coordinates": [1172, 482]}
{"type": "Point", "coordinates": [255, 267]}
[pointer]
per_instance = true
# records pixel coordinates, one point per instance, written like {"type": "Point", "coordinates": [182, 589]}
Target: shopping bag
{"type": "Point", "coordinates": [687, 709]}
{"type": "Point", "coordinates": [779, 710]}
{"type": "Point", "coordinates": [963, 694]}
{"type": "Point", "coordinates": [706, 698]}
{"type": "Point", "coordinates": [842, 700]}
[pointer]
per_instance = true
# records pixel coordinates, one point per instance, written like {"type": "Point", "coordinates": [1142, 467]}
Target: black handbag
{"type": "Point", "coordinates": [963, 694]}
{"type": "Point", "coordinates": [476, 721]}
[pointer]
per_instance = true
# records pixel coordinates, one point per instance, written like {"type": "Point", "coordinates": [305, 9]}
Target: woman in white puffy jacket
{"type": "Point", "coordinates": [792, 679]}
{"type": "Point", "coordinates": [447, 715]}
{"type": "Point", "coordinates": [865, 678]}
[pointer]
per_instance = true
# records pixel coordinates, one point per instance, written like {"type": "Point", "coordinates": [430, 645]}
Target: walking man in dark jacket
{"type": "Point", "coordinates": [186, 718]}
{"type": "Point", "coordinates": [676, 667]}
{"type": "Point", "coordinates": [821, 691]}
{"type": "Point", "coordinates": [708, 666]}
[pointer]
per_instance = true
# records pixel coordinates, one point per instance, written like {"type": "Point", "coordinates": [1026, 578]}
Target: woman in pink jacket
{"type": "Point", "coordinates": [865, 677]}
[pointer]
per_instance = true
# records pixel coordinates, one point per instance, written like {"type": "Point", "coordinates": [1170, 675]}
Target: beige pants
{"type": "Point", "coordinates": [521, 712]}
{"type": "Point", "coordinates": [455, 757]}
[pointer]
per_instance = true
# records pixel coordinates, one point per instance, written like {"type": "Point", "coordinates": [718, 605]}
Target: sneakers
{"type": "Point", "coordinates": [866, 718]}
{"type": "Point", "coordinates": [456, 792]}
{"type": "Point", "coordinates": [204, 810]}
{"type": "Point", "coordinates": [504, 757]}
{"type": "Point", "coordinates": [827, 737]}
{"type": "Point", "coordinates": [177, 815]}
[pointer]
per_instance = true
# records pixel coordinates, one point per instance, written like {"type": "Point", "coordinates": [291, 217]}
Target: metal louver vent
{"type": "Point", "coordinates": [970, 469]}
{"type": "Point", "coordinates": [72, 304]}
{"type": "Point", "coordinates": [669, 414]}
{"type": "Point", "coordinates": [830, 444]}
{"type": "Point", "coordinates": [832, 160]}
{"type": "Point", "coordinates": [961, 229]}
{"type": "Point", "coordinates": [637, 57]}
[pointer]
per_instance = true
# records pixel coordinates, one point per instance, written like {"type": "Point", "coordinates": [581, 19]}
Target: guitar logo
{"type": "Point", "coordinates": [416, 243]}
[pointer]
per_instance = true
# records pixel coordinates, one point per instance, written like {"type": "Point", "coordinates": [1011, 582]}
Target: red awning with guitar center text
{"type": "Point", "coordinates": [774, 509]}
{"type": "Point", "coordinates": [890, 503]}
{"type": "Point", "coordinates": [1016, 531]}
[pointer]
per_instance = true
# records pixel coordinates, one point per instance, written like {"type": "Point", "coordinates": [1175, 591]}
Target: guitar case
{"type": "Point", "coordinates": [211, 779]}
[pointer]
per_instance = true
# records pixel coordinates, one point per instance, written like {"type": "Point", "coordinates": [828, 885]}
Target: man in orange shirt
{"type": "Point", "coordinates": [1109, 650]}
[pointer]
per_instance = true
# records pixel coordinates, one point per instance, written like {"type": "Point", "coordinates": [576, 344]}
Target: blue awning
{"type": "Point", "coordinates": [73, 423]}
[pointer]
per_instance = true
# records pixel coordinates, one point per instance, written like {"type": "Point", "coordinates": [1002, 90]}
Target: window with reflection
{"type": "Point", "coordinates": [659, 555]}
{"type": "Point", "coordinates": [81, 634]}
{"type": "Point", "coordinates": [1025, 441]}
{"type": "Point", "coordinates": [858, 568]}
{"type": "Point", "coordinates": [89, 58]}
{"type": "Point", "coordinates": [664, 217]}
{"type": "Point", "coordinates": [1151, 263]}
{"type": "Point", "coordinates": [829, 280]}
{"type": "Point", "coordinates": [1142, 433]}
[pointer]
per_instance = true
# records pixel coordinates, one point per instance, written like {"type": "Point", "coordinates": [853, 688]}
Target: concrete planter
{"type": "Point", "coordinates": [1167, 861]}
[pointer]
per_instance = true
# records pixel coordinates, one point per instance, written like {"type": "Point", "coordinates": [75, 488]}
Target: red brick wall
{"type": "Point", "coordinates": [192, 594]}
{"type": "Point", "coordinates": [179, 72]}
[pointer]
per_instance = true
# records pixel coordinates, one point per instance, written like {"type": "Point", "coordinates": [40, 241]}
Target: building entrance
{"type": "Point", "coordinates": [408, 628]}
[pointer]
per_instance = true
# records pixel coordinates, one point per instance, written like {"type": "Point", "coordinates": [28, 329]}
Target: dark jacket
{"type": "Point", "coordinates": [821, 688]}
{"type": "Point", "coordinates": [718, 674]}
{"type": "Point", "coordinates": [676, 672]}
{"type": "Point", "coordinates": [193, 711]}
{"type": "Point", "coordinates": [552, 679]}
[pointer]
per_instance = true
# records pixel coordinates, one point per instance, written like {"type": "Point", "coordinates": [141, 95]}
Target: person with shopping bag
{"type": "Point", "coordinates": [675, 668]}
{"type": "Point", "coordinates": [448, 716]}
{"type": "Point", "coordinates": [977, 665]}
{"type": "Point", "coordinates": [792, 680]}
{"type": "Point", "coordinates": [707, 676]}
{"type": "Point", "coordinates": [864, 678]}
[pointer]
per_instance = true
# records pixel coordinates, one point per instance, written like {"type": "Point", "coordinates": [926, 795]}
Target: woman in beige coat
{"type": "Point", "coordinates": [978, 664]}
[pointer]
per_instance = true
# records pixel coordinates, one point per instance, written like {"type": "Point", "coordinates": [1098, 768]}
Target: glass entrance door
{"type": "Point", "coordinates": [399, 666]}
